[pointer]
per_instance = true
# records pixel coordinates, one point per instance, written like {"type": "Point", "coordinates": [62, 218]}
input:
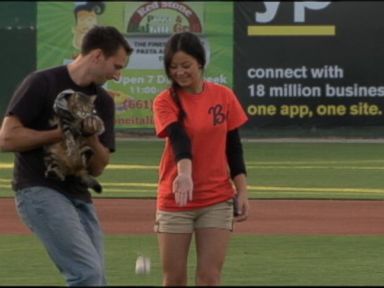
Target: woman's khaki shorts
{"type": "Point", "coordinates": [216, 216]}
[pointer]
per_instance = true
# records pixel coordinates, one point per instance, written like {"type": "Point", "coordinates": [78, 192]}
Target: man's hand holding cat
{"type": "Point", "coordinates": [92, 125]}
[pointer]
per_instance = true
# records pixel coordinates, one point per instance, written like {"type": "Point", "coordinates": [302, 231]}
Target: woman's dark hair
{"type": "Point", "coordinates": [106, 38]}
{"type": "Point", "coordinates": [190, 44]}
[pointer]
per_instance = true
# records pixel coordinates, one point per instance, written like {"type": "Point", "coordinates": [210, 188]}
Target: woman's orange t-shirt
{"type": "Point", "coordinates": [209, 116]}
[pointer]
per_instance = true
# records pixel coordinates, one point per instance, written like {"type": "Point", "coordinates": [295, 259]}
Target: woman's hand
{"type": "Point", "coordinates": [241, 198]}
{"type": "Point", "coordinates": [183, 189]}
{"type": "Point", "coordinates": [242, 206]}
{"type": "Point", "coordinates": [182, 186]}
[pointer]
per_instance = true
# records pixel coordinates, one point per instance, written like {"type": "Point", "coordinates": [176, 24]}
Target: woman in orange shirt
{"type": "Point", "coordinates": [202, 166]}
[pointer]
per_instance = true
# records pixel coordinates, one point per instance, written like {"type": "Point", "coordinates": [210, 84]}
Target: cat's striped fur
{"type": "Point", "coordinates": [70, 156]}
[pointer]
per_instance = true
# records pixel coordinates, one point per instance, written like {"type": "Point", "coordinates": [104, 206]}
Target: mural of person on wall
{"type": "Point", "coordinates": [178, 26]}
{"type": "Point", "coordinates": [86, 13]}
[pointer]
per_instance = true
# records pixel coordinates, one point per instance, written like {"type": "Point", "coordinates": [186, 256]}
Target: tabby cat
{"type": "Point", "coordinates": [70, 156]}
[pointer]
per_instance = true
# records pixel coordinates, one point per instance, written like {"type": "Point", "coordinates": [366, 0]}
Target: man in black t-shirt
{"type": "Point", "coordinates": [61, 213]}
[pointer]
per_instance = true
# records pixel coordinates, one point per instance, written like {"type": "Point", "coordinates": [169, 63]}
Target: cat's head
{"type": "Point", "coordinates": [78, 104]}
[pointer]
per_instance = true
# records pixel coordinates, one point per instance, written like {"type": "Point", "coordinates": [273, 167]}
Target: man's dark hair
{"type": "Point", "coordinates": [106, 38]}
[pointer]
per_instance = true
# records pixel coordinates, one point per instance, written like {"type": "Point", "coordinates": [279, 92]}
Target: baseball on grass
{"type": "Point", "coordinates": [143, 265]}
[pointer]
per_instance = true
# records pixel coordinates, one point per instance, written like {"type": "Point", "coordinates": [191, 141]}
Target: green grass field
{"type": "Point", "coordinates": [275, 171]}
{"type": "Point", "coordinates": [252, 261]}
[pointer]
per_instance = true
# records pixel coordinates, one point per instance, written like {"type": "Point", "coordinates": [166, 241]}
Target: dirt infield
{"type": "Point", "coordinates": [335, 217]}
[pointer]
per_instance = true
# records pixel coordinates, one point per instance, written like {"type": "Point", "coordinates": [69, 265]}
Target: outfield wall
{"type": "Point", "coordinates": [18, 46]}
{"type": "Point", "coordinates": [300, 69]}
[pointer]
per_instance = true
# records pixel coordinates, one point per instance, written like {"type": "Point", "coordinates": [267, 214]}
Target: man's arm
{"type": "Point", "coordinates": [100, 158]}
{"type": "Point", "coordinates": [93, 126]}
{"type": "Point", "coordinates": [14, 137]}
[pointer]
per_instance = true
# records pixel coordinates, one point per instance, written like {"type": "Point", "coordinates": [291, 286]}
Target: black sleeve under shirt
{"type": "Point", "coordinates": [181, 144]}
{"type": "Point", "coordinates": [234, 153]}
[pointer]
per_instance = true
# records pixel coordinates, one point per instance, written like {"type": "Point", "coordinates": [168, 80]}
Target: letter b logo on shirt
{"type": "Point", "coordinates": [218, 117]}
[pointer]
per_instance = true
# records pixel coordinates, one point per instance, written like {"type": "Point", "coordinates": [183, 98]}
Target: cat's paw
{"type": "Point", "coordinates": [92, 125]}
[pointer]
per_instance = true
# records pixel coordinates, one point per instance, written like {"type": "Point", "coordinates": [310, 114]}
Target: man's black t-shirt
{"type": "Point", "coordinates": [32, 103]}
